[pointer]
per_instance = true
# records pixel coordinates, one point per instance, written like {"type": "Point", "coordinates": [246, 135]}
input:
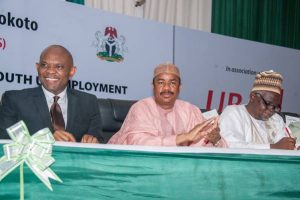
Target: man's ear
{"type": "Point", "coordinates": [153, 83]}
{"type": "Point", "coordinates": [72, 71]}
{"type": "Point", "coordinates": [252, 96]}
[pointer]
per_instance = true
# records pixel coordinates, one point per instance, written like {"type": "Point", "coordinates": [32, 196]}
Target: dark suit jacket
{"type": "Point", "coordinates": [30, 106]}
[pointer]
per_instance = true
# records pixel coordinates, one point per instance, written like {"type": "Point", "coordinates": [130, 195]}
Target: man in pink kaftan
{"type": "Point", "coordinates": [164, 120]}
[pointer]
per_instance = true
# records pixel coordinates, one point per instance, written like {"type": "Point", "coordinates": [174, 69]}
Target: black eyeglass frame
{"type": "Point", "coordinates": [268, 105]}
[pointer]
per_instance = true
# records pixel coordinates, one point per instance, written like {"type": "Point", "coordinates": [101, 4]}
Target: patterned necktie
{"type": "Point", "coordinates": [56, 115]}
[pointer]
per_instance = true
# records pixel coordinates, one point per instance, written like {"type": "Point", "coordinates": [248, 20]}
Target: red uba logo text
{"type": "Point", "coordinates": [233, 99]}
{"type": "Point", "coordinates": [2, 43]}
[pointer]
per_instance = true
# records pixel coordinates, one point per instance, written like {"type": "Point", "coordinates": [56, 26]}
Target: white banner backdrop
{"type": "Point", "coordinates": [116, 54]}
{"type": "Point", "coordinates": [84, 32]}
{"type": "Point", "coordinates": [220, 70]}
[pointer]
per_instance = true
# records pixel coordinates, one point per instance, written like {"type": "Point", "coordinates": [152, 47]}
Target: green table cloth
{"type": "Point", "coordinates": [97, 172]}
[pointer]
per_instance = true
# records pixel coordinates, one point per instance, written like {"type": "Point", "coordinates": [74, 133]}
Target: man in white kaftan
{"type": "Point", "coordinates": [257, 125]}
{"type": "Point", "coordinates": [241, 130]}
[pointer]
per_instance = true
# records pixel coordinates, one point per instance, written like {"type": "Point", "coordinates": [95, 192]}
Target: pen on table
{"type": "Point", "coordinates": [288, 131]}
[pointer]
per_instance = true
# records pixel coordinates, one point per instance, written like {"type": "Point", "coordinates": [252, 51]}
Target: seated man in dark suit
{"type": "Point", "coordinates": [71, 115]}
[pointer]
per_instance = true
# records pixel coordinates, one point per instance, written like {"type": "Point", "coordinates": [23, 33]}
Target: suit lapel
{"type": "Point", "coordinates": [40, 102]}
{"type": "Point", "coordinates": [72, 102]}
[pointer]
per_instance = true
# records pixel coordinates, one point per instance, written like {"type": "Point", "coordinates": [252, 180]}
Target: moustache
{"type": "Point", "coordinates": [167, 92]}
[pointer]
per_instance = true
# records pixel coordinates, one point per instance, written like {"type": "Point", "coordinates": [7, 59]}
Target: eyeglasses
{"type": "Point", "coordinates": [267, 104]}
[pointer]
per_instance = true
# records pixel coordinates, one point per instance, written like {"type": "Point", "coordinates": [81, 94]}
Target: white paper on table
{"type": "Point", "coordinates": [290, 119]}
{"type": "Point", "coordinates": [210, 114]}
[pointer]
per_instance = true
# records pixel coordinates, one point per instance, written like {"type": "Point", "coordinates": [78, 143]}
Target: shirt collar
{"type": "Point", "coordinates": [49, 95]}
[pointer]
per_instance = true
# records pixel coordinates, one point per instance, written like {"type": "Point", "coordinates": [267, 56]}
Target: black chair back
{"type": "Point", "coordinates": [113, 113]}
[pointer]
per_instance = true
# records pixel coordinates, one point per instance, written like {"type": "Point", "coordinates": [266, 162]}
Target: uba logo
{"type": "Point", "coordinates": [110, 46]}
{"type": "Point", "coordinates": [2, 43]}
{"type": "Point", "coordinates": [232, 97]}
